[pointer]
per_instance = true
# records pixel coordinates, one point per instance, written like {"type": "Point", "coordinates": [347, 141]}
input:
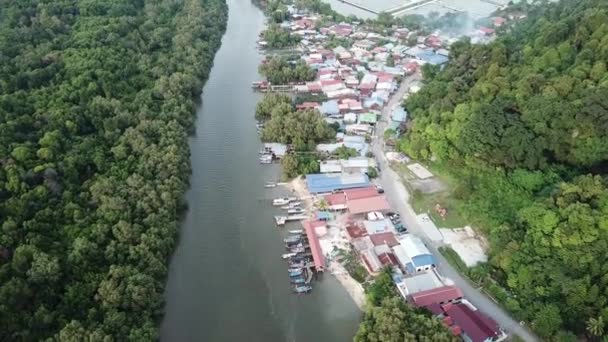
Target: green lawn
{"type": "Point", "coordinates": [425, 203]}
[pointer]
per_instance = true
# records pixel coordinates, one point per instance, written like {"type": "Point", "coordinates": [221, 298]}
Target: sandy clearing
{"type": "Point", "coordinates": [466, 243]}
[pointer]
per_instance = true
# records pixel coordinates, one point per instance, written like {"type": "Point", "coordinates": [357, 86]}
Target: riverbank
{"type": "Point", "coordinates": [227, 281]}
{"type": "Point", "coordinates": [328, 244]}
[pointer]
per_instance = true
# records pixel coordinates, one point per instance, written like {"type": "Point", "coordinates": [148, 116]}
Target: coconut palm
{"type": "Point", "coordinates": [595, 326]}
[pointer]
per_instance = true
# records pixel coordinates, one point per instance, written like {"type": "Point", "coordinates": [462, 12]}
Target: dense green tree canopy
{"type": "Point", "coordinates": [280, 71]}
{"type": "Point", "coordinates": [96, 99]}
{"type": "Point", "coordinates": [522, 124]}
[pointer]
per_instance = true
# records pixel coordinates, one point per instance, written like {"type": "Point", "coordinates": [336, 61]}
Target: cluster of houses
{"type": "Point", "coordinates": [357, 82]}
{"type": "Point", "coordinates": [380, 240]}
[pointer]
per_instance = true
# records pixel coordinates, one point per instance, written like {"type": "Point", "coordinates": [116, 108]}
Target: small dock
{"type": "Point", "coordinates": [281, 220]}
{"type": "Point", "coordinates": [308, 274]}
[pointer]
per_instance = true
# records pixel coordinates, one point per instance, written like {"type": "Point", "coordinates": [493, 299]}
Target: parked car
{"type": "Point", "coordinates": [380, 189]}
{"type": "Point", "coordinates": [400, 228]}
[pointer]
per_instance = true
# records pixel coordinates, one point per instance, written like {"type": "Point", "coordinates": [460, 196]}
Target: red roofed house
{"type": "Point", "coordinates": [336, 201]}
{"type": "Point", "coordinates": [499, 21]}
{"type": "Point", "coordinates": [343, 30]}
{"type": "Point", "coordinates": [410, 67]}
{"type": "Point", "coordinates": [315, 247]}
{"type": "Point", "coordinates": [386, 238]}
{"type": "Point", "coordinates": [433, 41]}
{"type": "Point", "coordinates": [353, 194]}
{"type": "Point", "coordinates": [367, 89]}
{"type": "Point", "coordinates": [440, 295]}
{"type": "Point", "coordinates": [486, 31]}
{"type": "Point", "coordinates": [308, 105]}
{"type": "Point", "coordinates": [388, 259]}
{"type": "Point", "coordinates": [474, 326]}
{"type": "Point", "coordinates": [355, 231]}
{"type": "Point", "coordinates": [365, 205]}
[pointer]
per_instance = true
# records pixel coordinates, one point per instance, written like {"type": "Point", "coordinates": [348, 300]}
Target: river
{"type": "Point", "coordinates": [226, 280]}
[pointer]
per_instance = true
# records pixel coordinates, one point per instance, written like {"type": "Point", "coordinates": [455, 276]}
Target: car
{"type": "Point", "coordinates": [400, 227]}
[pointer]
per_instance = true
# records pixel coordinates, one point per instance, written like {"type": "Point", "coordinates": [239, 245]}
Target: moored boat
{"type": "Point", "coordinates": [295, 273]}
{"type": "Point", "coordinates": [288, 255]}
{"type": "Point", "coordinates": [296, 231]}
{"type": "Point", "coordinates": [302, 289]}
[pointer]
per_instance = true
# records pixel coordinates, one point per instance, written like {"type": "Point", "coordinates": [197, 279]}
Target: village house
{"type": "Point", "coordinates": [413, 255]}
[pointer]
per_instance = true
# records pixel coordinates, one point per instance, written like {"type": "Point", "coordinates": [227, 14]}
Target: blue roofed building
{"type": "Point", "coordinates": [399, 114]}
{"type": "Point", "coordinates": [431, 57]}
{"type": "Point", "coordinates": [413, 256]}
{"type": "Point", "coordinates": [322, 183]}
{"type": "Point", "coordinates": [329, 108]}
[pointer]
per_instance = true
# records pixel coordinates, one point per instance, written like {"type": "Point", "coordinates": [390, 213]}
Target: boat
{"type": "Point", "coordinates": [280, 220]}
{"type": "Point", "coordinates": [302, 289]}
{"type": "Point", "coordinates": [298, 280]}
{"type": "Point", "coordinates": [270, 185]}
{"type": "Point", "coordinates": [281, 201]}
{"type": "Point", "coordinates": [295, 204]}
{"type": "Point", "coordinates": [294, 269]}
{"type": "Point", "coordinates": [294, 239]}
{"type": "Point", "coordinates": [288, 255]}
{"type": "Point", "coordinates": [297, 250]}
{"type": "Point", "coordinates": [296, 231]}
{"type": "Point", "coordinates": [296, 273]}
{"type": "Point", "coordinates": [295, 211]}
{"type": "Point", "coordinates": [266, 159]}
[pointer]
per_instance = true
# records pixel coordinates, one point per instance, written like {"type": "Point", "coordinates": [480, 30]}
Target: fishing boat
{"type": "Point", "coordinates": [280, 220]}
{"type": "Point", "coordinates": [288, 255]}
{"type": "Point", "coordinates": [295, 273]}
{"type": "Point", "coordinates": [266, 159]}
{"type": "Point", "coordinates": [302, 289]}
{"type": "Point", "coordinates": [296, 231]}
{"type": "Point", "coordinates": [270, 185]}
{"type": "Point", "coordinates": [283, 201]}
{"type": "Point", "coordinates": [280, 201]}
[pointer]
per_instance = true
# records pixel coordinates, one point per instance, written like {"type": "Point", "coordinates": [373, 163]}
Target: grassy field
{"type": "Point", "coordinates": [425, 203]}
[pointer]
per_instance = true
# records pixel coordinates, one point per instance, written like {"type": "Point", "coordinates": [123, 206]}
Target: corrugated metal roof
{"type": "Point", "coordinates": [379, 226]}
{"type": "Point", "coordinates": [365, 205]}
{"type": "Point", "coordinates": [315, 246]}
{"type": "Point", "coordinates": [442, 294]}
{"type": "Point", "coordinates": [319, 183]}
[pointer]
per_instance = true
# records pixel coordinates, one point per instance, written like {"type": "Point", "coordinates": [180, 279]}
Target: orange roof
{"type": "Point", "coordinates": [353, 194]}
{"type": "Point", "coordinates": [336, 199]}
{"type": "Point", "coordinates": [365, 205]}
{"type": "Point", "coordinates": [315, 246]}
{"type": "Point", "coordinates": [439, 295]}
{"type": "Point", "coordinates": [384, 238]}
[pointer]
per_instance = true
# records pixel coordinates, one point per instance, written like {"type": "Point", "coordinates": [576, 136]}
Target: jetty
{"type": "Point", "coordinates": [281, 220]}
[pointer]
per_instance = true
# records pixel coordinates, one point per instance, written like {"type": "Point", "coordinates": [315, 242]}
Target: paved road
{"type": "Point", "coordinates": [398, 197]}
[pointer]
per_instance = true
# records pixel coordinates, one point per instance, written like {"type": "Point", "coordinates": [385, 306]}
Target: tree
{"type": "Point", "coordinates": [595, 326]}
{"type": "Point", "coordinates": [96, 106]}
{"type": "Point", "coordinates": [519, 124]}
{"type": "Point", "coordinates": [393, 320]}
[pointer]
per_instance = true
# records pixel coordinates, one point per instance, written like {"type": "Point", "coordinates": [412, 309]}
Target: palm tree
{"type": "Point", "coordinates": [595, 326]}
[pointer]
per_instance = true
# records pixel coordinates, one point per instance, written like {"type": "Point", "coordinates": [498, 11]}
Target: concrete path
{"type": "Point", "coordinates": [398, 197]}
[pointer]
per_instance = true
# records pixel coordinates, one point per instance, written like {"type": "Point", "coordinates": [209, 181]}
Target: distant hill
{"type": "Point", "coordinates": [522, 123]}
